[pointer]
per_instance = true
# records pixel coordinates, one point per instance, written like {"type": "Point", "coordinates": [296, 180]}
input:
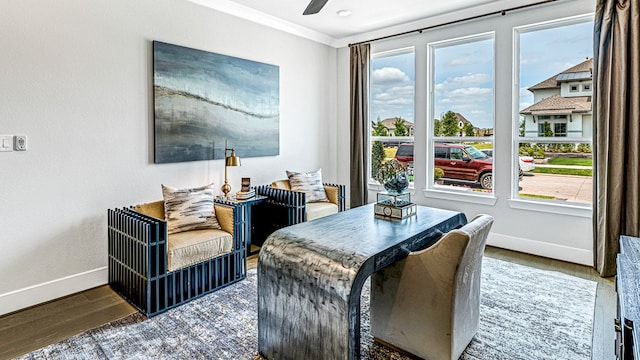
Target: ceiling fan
{"type": "Point", "coordinates": [314, 7]}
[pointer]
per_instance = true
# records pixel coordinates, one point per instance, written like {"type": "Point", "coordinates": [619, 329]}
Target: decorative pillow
{"type": "Point", "coordinates": [309, 183]}
{"type": "Point", "coordinates": [189, 209]}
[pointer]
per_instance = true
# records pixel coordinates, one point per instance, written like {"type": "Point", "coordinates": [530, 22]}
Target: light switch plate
{"type": "Point", "coordinates": [6, 142]}
{"type": "Point", "coordinates": [21, 143]}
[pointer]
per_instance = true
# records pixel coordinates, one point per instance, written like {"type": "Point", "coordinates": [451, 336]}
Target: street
{"type": "Point", "coordinates": [563, 187]}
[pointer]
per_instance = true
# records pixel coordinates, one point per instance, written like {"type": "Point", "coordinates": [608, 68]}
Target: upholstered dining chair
{"type": "Point", "coordinates": [428, 304]}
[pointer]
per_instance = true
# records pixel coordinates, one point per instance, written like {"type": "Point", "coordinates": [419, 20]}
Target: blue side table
{"type": "Point", "coordinates": [245, 210]}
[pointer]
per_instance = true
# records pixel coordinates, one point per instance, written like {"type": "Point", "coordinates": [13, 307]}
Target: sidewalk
{"type": "Point", "coordinates": [563, 187]}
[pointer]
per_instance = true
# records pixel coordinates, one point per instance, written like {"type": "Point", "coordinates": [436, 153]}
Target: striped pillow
{"type": "Point", "coordinates": [309, 183]}
{"type": "Point", "coordinates": [189, 209]}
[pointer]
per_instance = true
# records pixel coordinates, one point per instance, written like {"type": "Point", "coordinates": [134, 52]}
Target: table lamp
{"type": "Point", "coordinates": [229, 160]}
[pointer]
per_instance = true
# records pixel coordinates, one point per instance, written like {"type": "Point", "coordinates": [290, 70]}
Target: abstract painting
{"type": "Point", "coordinates": [202, 99]}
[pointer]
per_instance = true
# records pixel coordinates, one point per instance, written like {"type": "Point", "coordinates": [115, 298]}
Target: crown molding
{"type": "Point", "coordinates": [258, 17]}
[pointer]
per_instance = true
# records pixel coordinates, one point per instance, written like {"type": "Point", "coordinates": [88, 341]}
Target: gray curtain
{"type": "Point", "coordinates": [616, 126]}
{"type": "Point", "coordinates": [359, 123]}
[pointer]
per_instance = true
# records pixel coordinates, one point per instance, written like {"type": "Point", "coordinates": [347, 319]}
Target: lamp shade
{"type": "Point", "coordinates": [232, 160]}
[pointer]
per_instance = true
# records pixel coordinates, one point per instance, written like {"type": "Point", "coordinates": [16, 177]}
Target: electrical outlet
{"type": "Point", "coordinates": [21, 143]}
{"type": "Point", "coordinates": [6, 142]}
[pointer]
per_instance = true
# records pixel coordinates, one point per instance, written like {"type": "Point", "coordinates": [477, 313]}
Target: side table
{"type": "Point", "coordinates": [245, 206]}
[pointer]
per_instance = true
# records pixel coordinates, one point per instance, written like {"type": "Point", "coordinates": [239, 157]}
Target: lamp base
{"type": "Point", "coordinates": [226, 188]}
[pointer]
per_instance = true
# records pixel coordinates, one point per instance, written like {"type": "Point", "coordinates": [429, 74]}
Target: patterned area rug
{"type": "Point", "coordinates": [525, 313]}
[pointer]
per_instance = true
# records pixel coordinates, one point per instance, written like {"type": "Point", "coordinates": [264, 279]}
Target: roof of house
{"type": "Point", "coordinates": [581, 71]}
{"type": "Point", "coordinates": [389, 123]}
{"type": "Point", "coordinates": [464, 120]}
{"type": "Point", "coordinates": [557, 104]}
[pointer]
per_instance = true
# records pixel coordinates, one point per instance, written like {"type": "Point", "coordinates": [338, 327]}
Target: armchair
{"type": "Point", "coordinates": [156, 271]}
{"type": "Point", "coordinates": [428, 304]}
{"type": "Point", "coordinates": [286, 207]}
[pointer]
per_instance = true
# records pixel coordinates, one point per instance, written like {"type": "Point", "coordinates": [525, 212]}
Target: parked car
{"type": "Point", "coordinates": [526, 162]}
{"type": "Point", "coordinates": [460, 163]}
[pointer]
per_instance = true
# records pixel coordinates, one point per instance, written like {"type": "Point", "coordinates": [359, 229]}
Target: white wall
{"type": "Point", "coordinates": [75, 77]}
{"type": "Point", "coordinates": [560, 232]}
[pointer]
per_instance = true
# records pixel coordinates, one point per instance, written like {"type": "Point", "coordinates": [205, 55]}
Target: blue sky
{"type": "Point", "coordinates": [392, 87]}
{"type": "Point", "coordinates": [464, 81]}
{"type": "Point", "coordinates": [464, 73]}
{"type": "Point", "coordinates": [545, 53]}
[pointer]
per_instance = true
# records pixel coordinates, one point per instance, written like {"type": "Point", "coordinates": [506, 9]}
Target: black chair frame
{"type": "Point", "coordinates": [137, 245]}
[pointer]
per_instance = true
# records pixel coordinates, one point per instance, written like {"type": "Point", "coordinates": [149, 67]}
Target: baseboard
{"type": "Point", "coordinates": [540, 248]}
{"type": "Point", "coordinates": [36, 294]}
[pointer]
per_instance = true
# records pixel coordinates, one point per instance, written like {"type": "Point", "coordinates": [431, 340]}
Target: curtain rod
{"type": "Point", "coordinates": [501, 12]}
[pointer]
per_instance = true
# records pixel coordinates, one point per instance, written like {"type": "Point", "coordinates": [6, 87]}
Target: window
{"type": "Point", "coordinates": [391, 108]}
{"type": "Point", "coordinates": [560, 129]}
{"type": "Point", "coordinates": [541, 129]}
{"type": "Point", "coordinates": [561, 151]}
{"type": "Point", "coordinates": [462, 114]}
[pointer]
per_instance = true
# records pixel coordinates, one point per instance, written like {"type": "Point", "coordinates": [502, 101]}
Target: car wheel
{"type": "Point", "coordinates": [486, 181]}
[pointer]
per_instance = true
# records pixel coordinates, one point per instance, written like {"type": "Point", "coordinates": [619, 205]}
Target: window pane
{"type": "Point", "coordinates": [555, 102]}
{"type": "Point", "coordinates": [464, 166]}
{"type": "Point", "coordinates": [391, 111]}
{"type": "Point", "coordinates": [463, 114]}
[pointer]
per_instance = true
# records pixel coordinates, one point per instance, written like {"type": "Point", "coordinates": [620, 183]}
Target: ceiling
{"type": "Point", "coordinates": [367, 16]}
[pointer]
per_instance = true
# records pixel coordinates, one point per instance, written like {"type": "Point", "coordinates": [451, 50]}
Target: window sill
{"type": "Point", "coordinates": [379, 188]}
{"type": "Point", "coordinates": [553, 208]}
{"type": "Point", "coordinates": [460, 196]}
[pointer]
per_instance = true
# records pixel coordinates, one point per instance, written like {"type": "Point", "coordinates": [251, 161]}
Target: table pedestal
{"type": "Point", "coordinates": [310, 276]}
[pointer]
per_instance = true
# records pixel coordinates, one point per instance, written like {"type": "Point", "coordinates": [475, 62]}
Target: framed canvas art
{"type": "Point", "coordinates": [203, 98]}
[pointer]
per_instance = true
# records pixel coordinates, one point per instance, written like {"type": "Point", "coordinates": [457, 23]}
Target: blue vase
{"type": "Point", "coordinates": [398, 184]}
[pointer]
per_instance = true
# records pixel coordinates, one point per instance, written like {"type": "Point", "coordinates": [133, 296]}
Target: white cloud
{"type": "Point", "coordinates": [525, 92]}
{"type": "Point", "coordinates": [470, 92]}
{"type": "Point", "coordinates": [389, 76]}
{"type": "Point", "coordinates": [464, 81]}
{"type": "Point", "coordinates": [524, 105]}
{"type": "Point", "coordinates": [392, 94]}
{"type": "Point", "coordinates": [463, 60]}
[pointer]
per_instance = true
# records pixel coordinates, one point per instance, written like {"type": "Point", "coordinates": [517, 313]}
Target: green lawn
{"type": "Point", "coordinates": [563, 171]}
{"type": "Point", "coordinates": [570, 161]}
{"type": "Point", "coordinates": [482, 146]}
{"type": "Point", "coordinates": [390, 153]}
{"type": "Point", "coordinates": [534, 196]}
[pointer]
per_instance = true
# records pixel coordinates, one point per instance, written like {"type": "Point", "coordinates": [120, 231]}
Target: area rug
{"type": "Point", "coordinates": [525, 313]}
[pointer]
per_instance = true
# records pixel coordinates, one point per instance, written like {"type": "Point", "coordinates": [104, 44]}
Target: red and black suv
{"type": "Point", "coordinates": [460, 163]}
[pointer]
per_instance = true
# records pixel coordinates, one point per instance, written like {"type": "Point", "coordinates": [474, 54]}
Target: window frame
{"type": "Point", "coordinates": [372, 184]}
{"type": "Point", "coordinates": [573, 208]}
{"type": "Point", "coordinates": [452, 192]}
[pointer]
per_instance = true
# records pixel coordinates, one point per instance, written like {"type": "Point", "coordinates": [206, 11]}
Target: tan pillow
{"type": "Point", "coordinates": [309, 183]}
{"type": "Point", "coordinates": [189, 209]}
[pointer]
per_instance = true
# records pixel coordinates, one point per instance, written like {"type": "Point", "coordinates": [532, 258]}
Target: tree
{"type": "Point", "coordinates": [468, 130]}
{"type": "Point", "coordinates": [377, 157]}
{"type": "Point", "coordinates": [380, 129]}
{"type": "Point", "coordinates": [449, 124]}
{"type": "Point", "coordinates": [547, 129]}
{"type": "Point", "coordinates": [522, 127]}
{"type": "Point", "coordinates": [437, 128]}
{"type": "Point", "coordinates": [377, 148]}
{"type": "Point", "coordinates": [400, 128]}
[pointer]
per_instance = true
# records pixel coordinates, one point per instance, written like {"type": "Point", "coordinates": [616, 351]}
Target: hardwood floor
{"type": "Point", "coordinates": [38, 326]}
